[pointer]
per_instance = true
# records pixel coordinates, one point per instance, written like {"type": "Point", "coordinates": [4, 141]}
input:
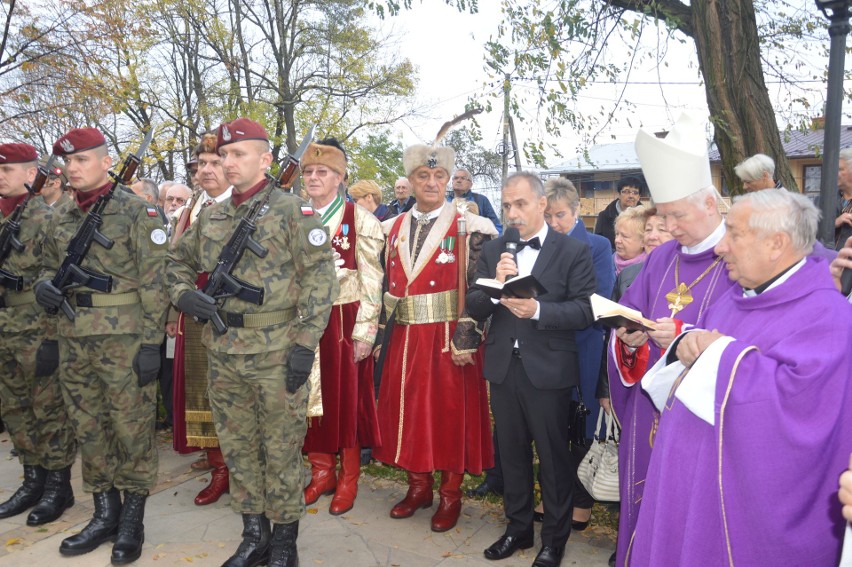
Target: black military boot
{"type": "Point", "coordinates": [131, 530]}
{"type": "Point", "coordinates": [102, 527]}
{"type": "Point", "coordinates": [27, 495]}
{"type": "Point", "coordinates": [282, 551]}
{"type": "Point", "coordinates": [57, 498]}
{"type": "Point", "coordinates": [254, 549]}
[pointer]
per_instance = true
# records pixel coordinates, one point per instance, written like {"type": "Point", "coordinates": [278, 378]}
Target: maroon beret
{"type": "Point", "coordinates": [78, 140]}
{"type": "Point", "coordinates": [17, 153]}
{"type": "Point", "coordinates": [239, 130]}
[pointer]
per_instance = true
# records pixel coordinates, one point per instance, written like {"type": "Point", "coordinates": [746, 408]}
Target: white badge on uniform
{"type": "Point", "coordinates": [158, 236]}
{"type": "Point", "coordinates": [317, 237]}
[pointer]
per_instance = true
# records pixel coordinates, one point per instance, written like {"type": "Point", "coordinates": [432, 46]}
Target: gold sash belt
{"type": "Point", "coordinates": [421, 309]}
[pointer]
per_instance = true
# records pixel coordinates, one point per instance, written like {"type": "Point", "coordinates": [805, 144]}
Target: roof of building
{"type": "Point", "coordinates": [622, 156]}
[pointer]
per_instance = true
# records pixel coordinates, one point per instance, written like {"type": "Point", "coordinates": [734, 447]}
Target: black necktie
{"type": "Point", "coordinates": [533, 243]}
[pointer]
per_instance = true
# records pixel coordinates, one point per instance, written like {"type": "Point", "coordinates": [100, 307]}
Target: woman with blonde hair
{"type": "Point", "coordinates": [368, 194]}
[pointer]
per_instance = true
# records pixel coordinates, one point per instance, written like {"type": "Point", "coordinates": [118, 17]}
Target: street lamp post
{"type": "Point", "coordinates": [837, 11]}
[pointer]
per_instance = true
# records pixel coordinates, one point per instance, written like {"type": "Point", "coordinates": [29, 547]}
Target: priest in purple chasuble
{"type": "Point", "coordinates": [348, 421]}
{"type": "Point", "coordinates": [675, 288]}
{"type": "Point", "coordinates": [755, 427]}
{"type": "Point", "coordinates": [433, 404]}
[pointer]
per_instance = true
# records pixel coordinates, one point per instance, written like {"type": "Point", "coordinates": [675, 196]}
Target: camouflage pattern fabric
{"type": "Point", "coordinates": [260, 426]}
{"type": "Point", "coordinates": [113, 416]}
{"type": "Point", "coordinates": [32, 407]}
{"type": "Point", "coordinates": [297, 272]}
{"type": "Point", "coordinates": [120, 452]}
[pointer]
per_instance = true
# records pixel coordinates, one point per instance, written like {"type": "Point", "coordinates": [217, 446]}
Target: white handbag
{"type": "Point", "coordinates": [599, 469]}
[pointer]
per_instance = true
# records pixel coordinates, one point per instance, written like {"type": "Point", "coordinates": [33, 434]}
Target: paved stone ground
{"type": "Point", "coordinates": [180, 533]}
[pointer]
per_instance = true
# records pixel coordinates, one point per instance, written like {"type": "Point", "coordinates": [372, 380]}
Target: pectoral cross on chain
{"type": "Point", "coordinates": [679, 298]}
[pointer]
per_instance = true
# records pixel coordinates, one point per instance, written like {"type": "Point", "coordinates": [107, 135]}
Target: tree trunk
{"type": "Point", "coordinates": [725, 34]}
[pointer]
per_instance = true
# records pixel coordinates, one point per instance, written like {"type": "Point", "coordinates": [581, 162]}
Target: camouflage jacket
{"type": "Point", "coordinates": [136, 263]}
{"type": "Point", "coordinates": [27, 264]}
{"type": "Point", "coordinates": [297, 272]}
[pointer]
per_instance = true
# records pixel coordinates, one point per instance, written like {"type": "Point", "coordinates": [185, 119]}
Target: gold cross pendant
{"type": "Point", "coordinates": [679, 298]}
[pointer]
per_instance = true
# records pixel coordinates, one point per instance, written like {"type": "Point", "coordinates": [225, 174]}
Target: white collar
{"type": "Point", "coordinates": [708, 243]}
{"type": "Point", "coordinates": [226, 194]}
{"type": "Point", "coordinates": [430, 215]}
{"type": "Point", "coordinates": [541, 234]}
{"type": "Point", "coordinates": [796, 267]}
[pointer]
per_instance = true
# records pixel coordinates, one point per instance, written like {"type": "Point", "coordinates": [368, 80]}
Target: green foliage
{"type": "Point", "coordinates": [378, 158]}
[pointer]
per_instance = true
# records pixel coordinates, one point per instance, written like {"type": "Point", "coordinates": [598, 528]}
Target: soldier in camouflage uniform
{"type": "Point", "coordinates": [32, 402]}
{"type": "Point", "coordinates": [258, 368]}
{"type": "Point", "coordinates": [111, 351]}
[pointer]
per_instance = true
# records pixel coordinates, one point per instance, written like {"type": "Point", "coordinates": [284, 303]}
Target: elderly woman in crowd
{"type": "Point", "coordinates": [756, 173]}
{"type": "Point", "coordinates": [654, 234]}
{"type": "Point", "coordinates": [368, 194]}
{"type": "Point", "coordinates": [629, 238]}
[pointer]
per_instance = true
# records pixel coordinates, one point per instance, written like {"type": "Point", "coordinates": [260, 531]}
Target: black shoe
{"type": "Point", "coordinates": [254, 549]}
{"type": "Point", "coordinates": [549, 556]}
{"type": "Point", "coordinates": [612, 560]}
{"type": "Point", "coordinates": [102, 527]}
{"type": "Point", "coordinates": [57, 498]}
{"type": "Point", "coordinates": [282, 550]}
{"type": "Point", "coordinates": [131, 530]}
{"type": "Point", "coordinates": [28, 494]}
{"type": "Point", "coordinates": [539, 517]}
{"type": "Point", "coordinates": [483, 489]}
{"type": "Point", "coordinates": [507, 545]}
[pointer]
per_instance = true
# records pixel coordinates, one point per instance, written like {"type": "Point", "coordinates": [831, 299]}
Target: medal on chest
{"type": "Point", "coordinates": [446, 255]}
{"type": "Point", "coordinates": [341, 239]}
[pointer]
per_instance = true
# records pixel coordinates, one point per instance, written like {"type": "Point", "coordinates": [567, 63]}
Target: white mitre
{"type": "Point", "coordinates": [675, 166]}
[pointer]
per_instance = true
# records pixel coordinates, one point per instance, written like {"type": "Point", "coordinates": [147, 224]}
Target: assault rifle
{"type": "Point", "coordinates": [71, 274]}
{"type": "Point", "coordinates": [12, 228]}
{"type": "Point", "coordinates": [222, 284]}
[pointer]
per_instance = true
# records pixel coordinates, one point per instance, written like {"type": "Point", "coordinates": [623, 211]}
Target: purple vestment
{"type": "Point", "coordinates": [633, 409]}
{"type": "Point", "coordinates": [782, 429]}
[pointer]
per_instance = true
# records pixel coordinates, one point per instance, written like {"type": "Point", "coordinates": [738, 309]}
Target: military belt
{"type": "Point", "coordinates": [14, 299]}
{"type": "Point", "coordinates": [257, 320]}
{"type": "Point", "coordinates": [426, 308]}
{"type": "Point", "coordinates": [105, 299]}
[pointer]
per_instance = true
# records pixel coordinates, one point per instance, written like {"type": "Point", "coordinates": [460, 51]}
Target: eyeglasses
{"type": "Point", "coordinates": [629, 192]}
{"type": "Point", "coordinates": [177, 200]}
{"type": "Point", "coordinates": [457, 177]}
{"type": "Point", "coordinates": [319, 172]}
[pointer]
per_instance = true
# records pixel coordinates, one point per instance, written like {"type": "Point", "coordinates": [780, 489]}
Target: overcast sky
{"type": "Point", "coordinates": [447, 47]}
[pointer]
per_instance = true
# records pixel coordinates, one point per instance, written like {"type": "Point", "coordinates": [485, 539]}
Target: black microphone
{"type": "Point", "coordinates": [512, 238]}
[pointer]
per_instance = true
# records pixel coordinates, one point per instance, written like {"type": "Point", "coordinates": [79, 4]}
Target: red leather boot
{"type": "Point", "coordinates": [323, 481]}
{"type": "Point", "coordinates": [449, 509]}
{"type": "Point", "coordinates": [347, 481]}
{"type": "Point", "coordinates": [219, 484]}
{"type": "Point", "coordinates": [419, 495]}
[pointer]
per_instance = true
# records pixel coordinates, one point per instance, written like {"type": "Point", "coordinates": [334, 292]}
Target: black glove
{"type": "Point", "coordinates": [299, 363]}
{"type": "Point", "coordinates": [48, 296]}
{"type": "Point", "coordinates": [146, 364]}
{"type": "Point", "coordinates": [198, 304]}
{"type": "Point", "coordinates": [47, 358]}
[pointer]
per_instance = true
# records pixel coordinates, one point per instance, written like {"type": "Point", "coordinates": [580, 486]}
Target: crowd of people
{"type": "Point", "coordinates": [289, 329]}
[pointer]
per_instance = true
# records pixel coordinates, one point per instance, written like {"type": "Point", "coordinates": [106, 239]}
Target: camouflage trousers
{"type": "Point", "coordinates": [261, 428]}
{"type": "Point", "coordinates": [113, 417]}
{"type": "Point", "coordinates": [32, 407]}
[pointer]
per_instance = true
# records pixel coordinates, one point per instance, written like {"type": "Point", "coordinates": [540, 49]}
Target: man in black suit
{"type": "Point", "coordinates": [531, 362]}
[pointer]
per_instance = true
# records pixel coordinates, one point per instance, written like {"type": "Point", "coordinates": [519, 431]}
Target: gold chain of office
{"type": "Point", "coordinates": [681, 296]}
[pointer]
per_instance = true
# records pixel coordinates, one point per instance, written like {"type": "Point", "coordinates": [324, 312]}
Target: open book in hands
{"type": "Point", "coordinates": [612, 314]}
{"type": "Point", "coordinates": [525, 287]}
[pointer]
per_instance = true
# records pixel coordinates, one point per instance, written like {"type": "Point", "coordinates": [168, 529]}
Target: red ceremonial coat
{"type": "Point", "coordinates": [348, 396]}
{"type": "Point", "coordinates": [433, 415]}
